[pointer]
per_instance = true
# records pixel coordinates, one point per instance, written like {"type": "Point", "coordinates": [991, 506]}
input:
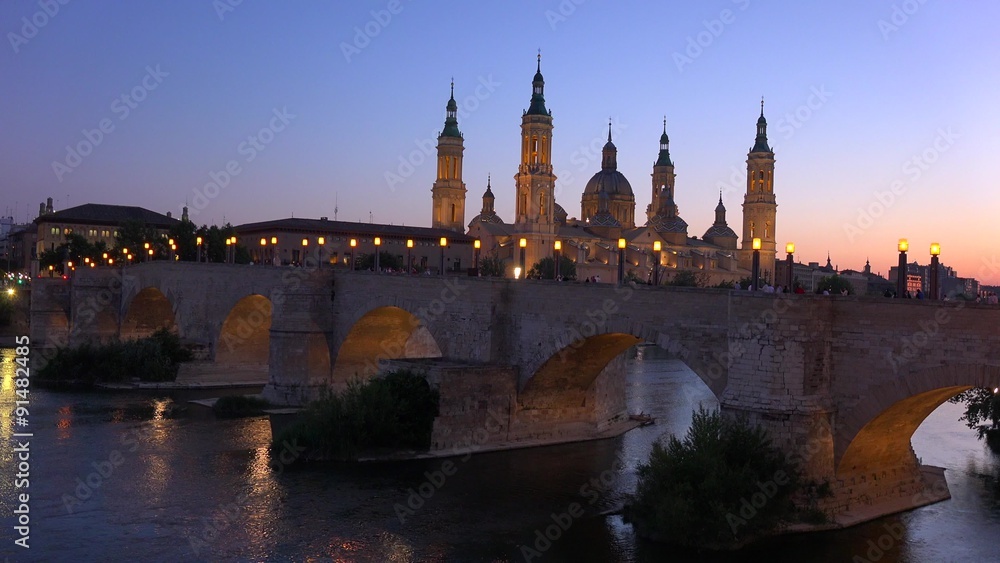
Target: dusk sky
{"type": "Point", "coordinates": [861, 97]}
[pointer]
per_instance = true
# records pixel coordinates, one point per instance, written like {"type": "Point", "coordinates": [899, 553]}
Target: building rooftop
{"type": "Point", "coordinates": [347, 227]}
{"type": "Point", "coordinates": [103, 214]}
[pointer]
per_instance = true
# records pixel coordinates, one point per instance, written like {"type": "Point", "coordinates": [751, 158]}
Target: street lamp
{"type": "Point", "coordinates": [935, 265]}
{"type": "Point", "coordinates": [409, 261]}
{"type": "Point", "coordinates": [621, 260]}
{"type": "Point", "coordinates": [263, 250]}
{"type": "Point", "coordinates": [354, 244]}
{"type": "Point", "coordinates": [378, 243]}
{"type": "Point", "coordinates": [320, 242]}
{"type": "Point", "coordinates": [903, 246]}
{"type": "Point", "coordinates": [790, 249]}
{"type": "Point", "coordinates": [755, 267]}
{"type": "Point", "coordinates": [477, 244]}
{"type": "Point", "coordinates": [658, 249]}
{"type": "Point", "coordinates": [523, 243]}
{"type": "Point", "coordinates": [444, 243]}
{"type": "Point", "coordinates": [198, 242]}
{"type": "Point", "coordinates": [558, 253]}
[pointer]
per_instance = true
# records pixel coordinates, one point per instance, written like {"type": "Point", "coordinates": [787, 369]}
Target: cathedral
{"type": "Point", "coordinates": [607, 210]}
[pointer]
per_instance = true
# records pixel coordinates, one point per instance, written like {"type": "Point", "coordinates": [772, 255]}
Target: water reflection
{"type": "Point", "coordinates": [191, 487]}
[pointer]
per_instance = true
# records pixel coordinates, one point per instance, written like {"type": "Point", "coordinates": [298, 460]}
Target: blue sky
{"type": "Point", "coordinates": [346, 99]}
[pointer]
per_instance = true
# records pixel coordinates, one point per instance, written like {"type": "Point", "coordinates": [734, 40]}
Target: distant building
{"type": "Point", "coordinates": [293, 241]}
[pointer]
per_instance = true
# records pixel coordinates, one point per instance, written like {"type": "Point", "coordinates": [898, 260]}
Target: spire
{"type": "Point", "coordinates": [828, 264]}
{"type": "Point", "coordinates": [537, 106]}
{"type": "Point", "coordinates": [451, 116]}
{"type": "Point", "coordinates": [760, 142]}
{"type": "Point", "coordinates": [489, 190]}
{"type": "Point", "coordinates": [664, 157]}
{"type": "Point", "coordinates": [720, 212]}
{"type": "Point", "coordinates": [610, 153]}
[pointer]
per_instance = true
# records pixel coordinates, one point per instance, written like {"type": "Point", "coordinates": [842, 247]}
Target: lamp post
{"type": "Point", "coordinates": [444, 243]}
{"type": "Point", "coordinates": [145, 247]}
{"type": "Point", "coordinates": [658, 249]}
{"type": "Point", "coordinates": [935, 252]}
{"type": "Point", "coordinates": [354, 244]}
{"type": "Point", "coordinates": [198, 241]}
{"type": "Point", "coordinates": [558, 258]}
{"type": "Point", "coordinates": [173, 249]}
{"type": "Point", "coordinates": [409, 261]}
{"type": "Point", "coordinates": [477, 244]}
{"type": "Point", "coordinates": [263, 250]}
{"type": "Point", "coordinates": [903, 246]}
{"type": "Point", "coordinates": [378, 243]}
{"type": "Point", "coordinates": [274, 252]}
{"type": "Point", "coordinates": [305, 248]}
{"type": "Point", "coordinates": [229, 250]}
{"type": "Point", "coordinates": [755, 267]}
{"type": "Point", "coordinates": [790, 249]}
{"type": "Point", "coordinates": [320, 243]}
{"type": "Point", "coordinates": [621, 260]}
{"type": "Point", "coordinates": [523, 243]}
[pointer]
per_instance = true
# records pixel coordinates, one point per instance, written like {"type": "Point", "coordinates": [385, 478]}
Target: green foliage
{"type": "Point", "coordinates": [694, 491]}
{"type": "Point", "coordinates": [238, 406]}
{"type": "Point", "coordinates": [632, 277]}
{"type": "Point", "coordinates": [394, 411]}
{"type": "Point", "coordinates": [683, 278]}
{"type": "Point", "coordinates": [491, 266]}
{"type": "Point", "coordinates": [727, 284]}
{"type": "Point", "coordinates": [545, 269]}
{"type": "Point", "coordinates": [982, 412]}
{"type": "Point", "coordinates": [185, 236]}
{"type": "Point", "coordinates": [155, 358]}
{"type": "Point", "coordinates": [385, 261]}
{"type": "Point", "coordinates": [835, 284]}
{"type": "Point", "coordinates": [75, 249]}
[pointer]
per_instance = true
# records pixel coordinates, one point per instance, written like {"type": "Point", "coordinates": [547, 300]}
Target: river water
{"type": "Point", "coordinates": [137, 477]}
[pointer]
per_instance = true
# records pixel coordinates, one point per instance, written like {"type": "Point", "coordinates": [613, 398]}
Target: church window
{"type": "Point", "coordinates": [767, 229]}
{"type": "Point", "coordinates": [534, 150]}
{"type": "Point", "coordinates": [454, 168]}
{"type": "Point", "coordinates": [454, 213]}
{"type": "Point", "coordinates": [541, 204]}
{"type": "Point", "coordinates": [751, 229]}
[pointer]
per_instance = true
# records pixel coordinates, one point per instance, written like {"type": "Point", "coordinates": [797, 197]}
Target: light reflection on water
{"type": "Point", "coordinates": [189, 482]}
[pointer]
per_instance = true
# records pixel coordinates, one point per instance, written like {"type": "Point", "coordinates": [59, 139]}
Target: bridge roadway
{"type": "Point", "coordinates": [840, 382]}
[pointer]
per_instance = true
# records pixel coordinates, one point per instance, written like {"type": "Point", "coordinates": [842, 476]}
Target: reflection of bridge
{"type": "Point", "coordinates": [840, 382]}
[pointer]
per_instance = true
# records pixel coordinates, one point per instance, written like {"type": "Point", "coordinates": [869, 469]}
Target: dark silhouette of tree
{"type": "Point", "coordinates": [546, 269]}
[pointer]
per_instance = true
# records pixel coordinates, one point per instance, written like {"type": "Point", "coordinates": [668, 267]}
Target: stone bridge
{"type": "Point", "coordinates": [841, 382]}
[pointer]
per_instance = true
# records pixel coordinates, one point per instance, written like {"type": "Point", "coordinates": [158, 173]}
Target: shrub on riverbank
{"type": "Point", "coordinates": [239, 406]}
{"type": "Point", "coordinates": [722, 485]}
{"type": "Point", "coordinates": [982, 414]}
{"type": "Point", "coordinates": [152, 359]}
{"type": "Point", "coordinates": [395, 411]}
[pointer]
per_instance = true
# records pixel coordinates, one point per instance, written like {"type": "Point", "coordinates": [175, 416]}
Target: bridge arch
{"type": "Point", "coordinates": [385, 332]}
{"type": "Point", "coordinates": [876, 433]}
{"type": "Point", "coordinates": [244, 337]}
{"type": "Point", "coordinates": [148, 311]}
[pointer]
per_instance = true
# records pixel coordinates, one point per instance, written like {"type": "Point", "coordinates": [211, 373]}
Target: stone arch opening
{"type": "Point", "coordinates": [245, 337]}
{"type": "Point", "coordinates": [147, 312]}
{"type": "Point", "coordinates": [380, 334]}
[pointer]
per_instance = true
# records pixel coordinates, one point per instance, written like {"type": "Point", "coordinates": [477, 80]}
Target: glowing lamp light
{"type": "Point", "coordinates": [622, 242]}
{"type": "Point", "coordinates": [354, 242]}
{"type": "Point", "coordinates": [146, 245]}
{"type": "Point", "coordinates": [409, 243]}
{"type": "Point", "coordinates": [935, 249]}
{"type": "Point", "coordinates": [517, 272]}
{"type": "Point", "coordinates": [111, 260]}
{"type": "Point", "coordinates": [198, 241]}
{"type": "Point", "coordinates": [274, 240]}
{"type": "Point", "coordinates": [263, 242]}
{"type": "Point", "coordinates": [477, 244]}
{"type": "Point", "coordinates": [305, 242]}
{"type": "Point", "coordinates": [790, 248]}
{"type": "Point", "coordinates": [378, 241]}
{"type": "Point", "coordinates": [657, 246]}
{"type": "Point", "coordinates": [10, 291]}
{"type": "Point", "coordinates": [104, 255]}
{"type": "Point", "coordinates": [523, 243]}
{"type": "Point", "coordinates": [86, 260]}
{"type": "Point", "coordinates": [70, 264]}
{"type": "Point", "coordinates": [322, 240]}
{"type": "Point", "coordinates": [170, 242]}
{"type": "Point", "coordinates": [124, 251]}
{"type": "Point", "coordinates": [756, 244]}
{"type": "Point", "coordinates": [903, 245]}
{"type": "Point", "coordinates": [444, 241]}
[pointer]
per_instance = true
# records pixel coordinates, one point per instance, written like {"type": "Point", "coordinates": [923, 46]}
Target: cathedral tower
{"type": "Point", "coordinates": [535, 181]}
{"type": "Point", "coordinates": [448, 191]}
{"type": "Point", "coordinates": [663, 175]}
{"type": "Point", "coordinates": [759, 207]}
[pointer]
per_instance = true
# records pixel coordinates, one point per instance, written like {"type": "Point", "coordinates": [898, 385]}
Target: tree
{"type": "Point", "coordinates": [982, 414]}
{"type": "Point", "coordinates": [76, 249]}
{"type": "Point", "coordinates": [492, 266]}
{"type": "Point", "coordinates": [185, 237]}
{"type": "Point", "coordinates": [835, 284]}
{"type": "Point", "coordinates": [683, 278]}
{"type": "Point", "coordinates": [386, 261]}
{"type": "Point", "coordinates": [546, 269]}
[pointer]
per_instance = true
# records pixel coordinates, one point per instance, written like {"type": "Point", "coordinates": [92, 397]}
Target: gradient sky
{"type": "Point", "coordinates": [877, 88]}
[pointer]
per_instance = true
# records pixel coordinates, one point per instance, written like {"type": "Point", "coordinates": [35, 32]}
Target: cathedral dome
{"type": "Point", "coordinates": [611, 181]}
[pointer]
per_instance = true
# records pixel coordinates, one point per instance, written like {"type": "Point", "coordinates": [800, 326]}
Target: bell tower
{"type": "Point", "coordinates": [535, 181]}
{"type": "Point", "coordinates": [448, 192]}
{"type": "Point", "coordinates": [663, 176]}
{"type": "Point", "coordinates": [759, 207]}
